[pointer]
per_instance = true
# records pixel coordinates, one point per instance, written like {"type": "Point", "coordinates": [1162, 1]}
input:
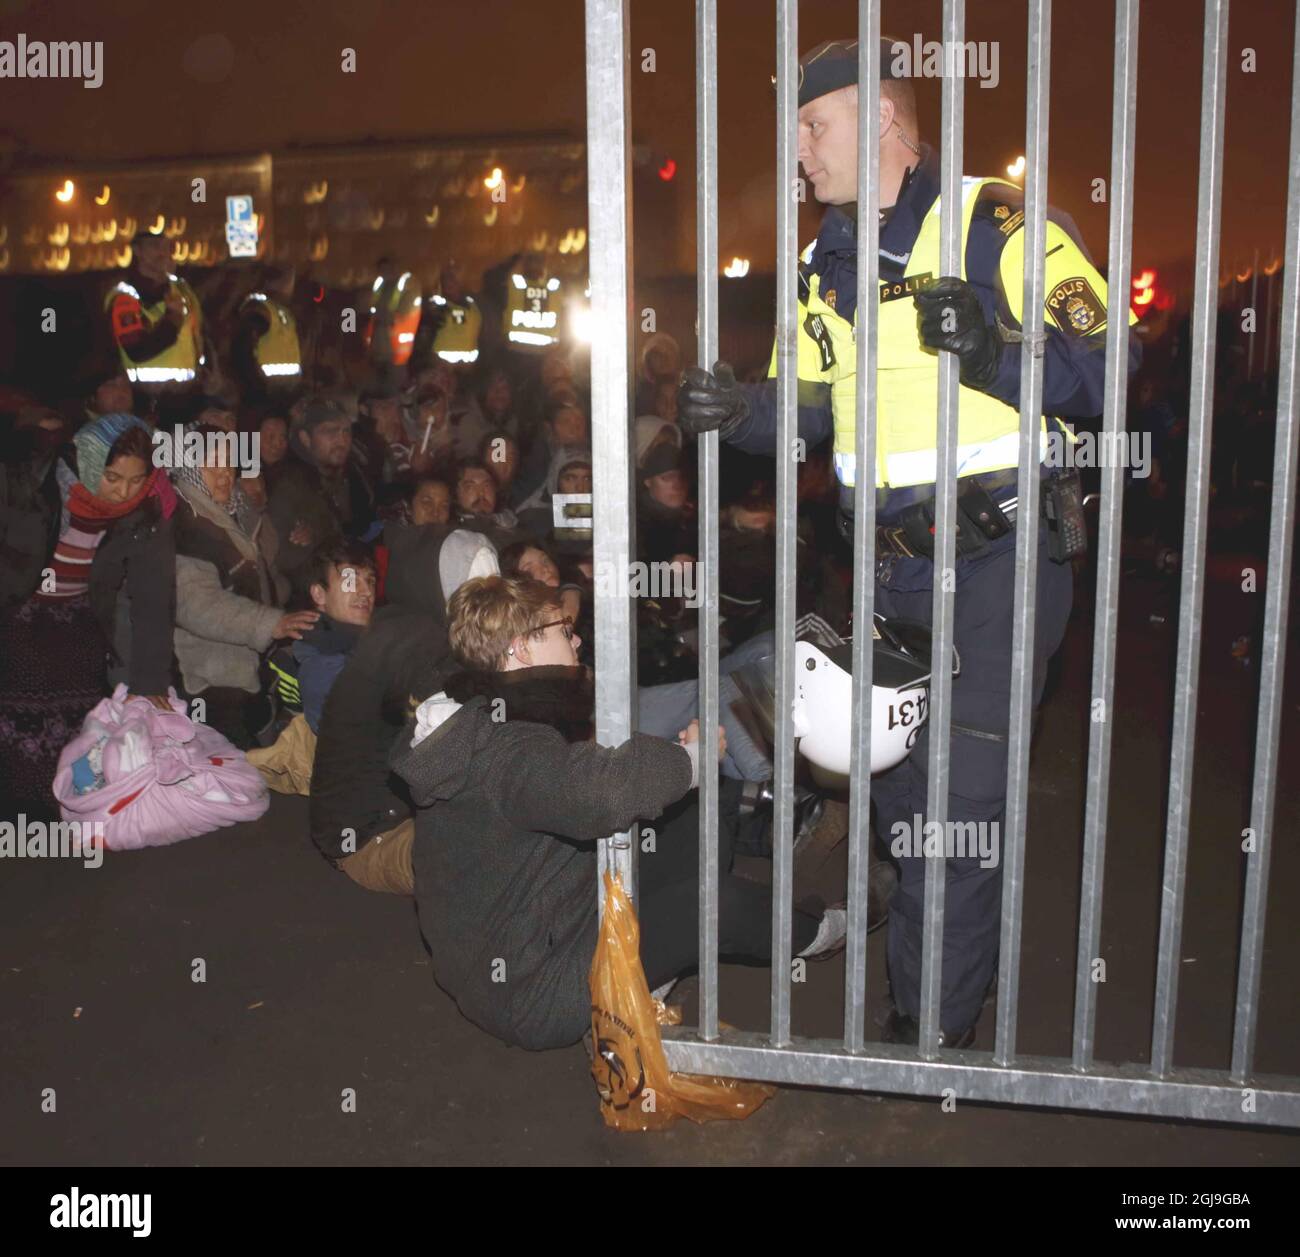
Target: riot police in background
{"type": "Point", "coordinates": [531, 319]}
{"type": "Point", "coordinates": [451, 323]}
{"type": "Point", "coordinates": [977, 317]}
{"type": "Point", "coordinates": [267, 351]}
{"type": "Point", "coordinates": [155, 321]}
{"type": "Point", "coordinates": [395, 301]}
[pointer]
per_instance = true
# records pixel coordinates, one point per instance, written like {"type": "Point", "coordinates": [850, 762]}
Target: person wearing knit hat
{"type": "Point", "coordinates": [658, 363]}
{"type": "Point", "coordinates": [666, 524]}
{"type": "Point", "coordinates": [650, 430]}
{"type": "Point", "coordinates": [569, 473]}
{"type": "Point", "coordinates": [115, 535]}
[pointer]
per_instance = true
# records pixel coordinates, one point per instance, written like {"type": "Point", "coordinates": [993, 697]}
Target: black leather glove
{"type": "Point", "coordinates": [949, 316]}
{"type": "Point", "coordinates": [708, 402]}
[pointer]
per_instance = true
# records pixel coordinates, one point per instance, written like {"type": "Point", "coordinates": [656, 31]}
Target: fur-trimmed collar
{"type": "Point", "coordinates": [563, 698]}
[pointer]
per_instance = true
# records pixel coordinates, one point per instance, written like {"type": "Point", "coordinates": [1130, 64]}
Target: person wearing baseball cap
{"type": "Point", "coordinates": [976, 316]}
{"type": "Point", "coordinates": [321, 495]}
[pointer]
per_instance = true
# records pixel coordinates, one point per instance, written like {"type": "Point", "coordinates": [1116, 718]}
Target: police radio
{"type": "Point", "coordinates": [1067, 529]}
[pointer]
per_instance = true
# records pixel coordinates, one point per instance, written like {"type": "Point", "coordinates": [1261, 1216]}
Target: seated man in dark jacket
{"type": "Point", "coordinates": [342, 589]}
{"type": "Point", "coordinates": [360, 814]}
{"type": "Point", "coordinates": [319, 496]}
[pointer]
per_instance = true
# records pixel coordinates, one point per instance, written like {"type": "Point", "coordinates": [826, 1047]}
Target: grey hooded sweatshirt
{"type": "Point", "coordinates": [505, 855]}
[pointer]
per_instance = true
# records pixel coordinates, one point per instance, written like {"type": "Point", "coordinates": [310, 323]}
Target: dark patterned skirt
{"type": "Point", "coordinates": [52, 670]}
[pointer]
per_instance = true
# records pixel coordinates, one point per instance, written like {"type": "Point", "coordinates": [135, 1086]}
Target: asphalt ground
{"type": "Point", "coordinates": [313, 985]}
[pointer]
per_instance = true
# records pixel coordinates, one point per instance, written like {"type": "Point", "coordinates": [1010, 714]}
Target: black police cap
{"type": "Point", "coordinates": [834, 64]}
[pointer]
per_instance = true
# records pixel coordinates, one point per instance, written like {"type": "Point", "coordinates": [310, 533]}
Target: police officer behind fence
{"type": "Point", "coordinates": [977, 317]}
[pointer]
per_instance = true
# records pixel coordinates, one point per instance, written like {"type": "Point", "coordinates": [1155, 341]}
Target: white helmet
{"type": "Point", "coordinates": [823, 701]}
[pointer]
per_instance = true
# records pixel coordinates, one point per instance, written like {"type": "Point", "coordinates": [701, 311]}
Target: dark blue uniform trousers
{"type": "Point", "coordinates": [983, 609]}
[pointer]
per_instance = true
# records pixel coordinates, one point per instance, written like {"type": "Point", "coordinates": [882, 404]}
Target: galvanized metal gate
{"type": "Point", "coordinates": [1237, 1094]}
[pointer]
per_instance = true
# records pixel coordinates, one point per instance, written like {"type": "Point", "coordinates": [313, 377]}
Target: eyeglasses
{"type": "Point", "coordinates": [566, 627]}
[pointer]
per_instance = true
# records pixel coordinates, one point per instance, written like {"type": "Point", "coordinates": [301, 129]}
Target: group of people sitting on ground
{"type": "Point", "coordinates": [395, 598]}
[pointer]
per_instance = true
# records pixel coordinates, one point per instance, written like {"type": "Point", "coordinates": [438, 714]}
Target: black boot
{"type": "Point", "coordinates": [757, 798]}
{"type": "Point", "coordinates": [904, 1028]}
{"type": "Point", "coordinates": [882, 881]}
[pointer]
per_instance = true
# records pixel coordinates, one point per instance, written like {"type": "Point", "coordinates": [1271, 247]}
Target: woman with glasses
{"type": "Point", "coordinates": [513, 794]}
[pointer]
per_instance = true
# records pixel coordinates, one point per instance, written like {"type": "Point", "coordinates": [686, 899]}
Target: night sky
{"type": "Point", "coordinates": [246, 76]}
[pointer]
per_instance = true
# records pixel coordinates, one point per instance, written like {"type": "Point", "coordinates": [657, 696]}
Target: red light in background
{"type": "Point", "coordinates": [320, 294]}
{"type": "Point", "coordinates": [667, 170]}
{"type": "Point", "coordinates": [1144, 289]}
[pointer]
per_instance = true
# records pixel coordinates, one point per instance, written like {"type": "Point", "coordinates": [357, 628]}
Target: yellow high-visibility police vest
{"type": "Point", "coordinates": [277, 351]}
{"type": "Point", "coordinates": [907, 375]}
{"type": "Point", "coordinates": [180, 361]}
{"type": "Point", "coordinates": [403, 301]}
{"type": "Point", "coordinates": [457, 338]}
{"type": "Point", "coordinates": [529, 323]}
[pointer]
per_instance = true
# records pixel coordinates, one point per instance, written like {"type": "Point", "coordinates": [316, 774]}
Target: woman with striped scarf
{"type": "Point", "coordinates": [115, 537]}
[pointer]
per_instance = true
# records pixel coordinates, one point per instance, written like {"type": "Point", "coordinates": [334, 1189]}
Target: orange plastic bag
{"type": "Point", "coordinates": [637, 1091]}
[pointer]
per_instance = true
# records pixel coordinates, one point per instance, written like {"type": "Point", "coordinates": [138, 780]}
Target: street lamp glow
{"type": "Point", "coordinates": [580, 321]}
{"type": "Point", "coordinates": [65, 193]}
{"type": "Point", "coordinates": [736, 268]}
{"type": "Point", "coordinates": [1017, 167]}
{"type": "Point", "coordinates": [494, 179]}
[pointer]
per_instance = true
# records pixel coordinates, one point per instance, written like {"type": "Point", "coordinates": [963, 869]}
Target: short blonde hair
{"type": "Point", "coordinates": [486, 614]}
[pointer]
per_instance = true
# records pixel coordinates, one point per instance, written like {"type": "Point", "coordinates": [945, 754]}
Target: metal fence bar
{"type": "Point", "coordinates": [1203, 1095]}
{"type": "Point", "coordinates": [864, 527]}
{"type": "Point", "coordinates": [706, 248]}
{"type": "Point", "coordinates": [1037, 78]}
{"type": "Point", "coordinates": [609, 234]}
{"type": "Point", "coordinates": [787, 259]}
{"type": "Point", "coordinates": [1115, 418]}
{"type": "Point", "coordinates": [936, 810]}
{"type": "Point", "coordinates": [1271, 679]}
{"type": "Point", "coordinates": [1186, 684]}
{"type": "Point", "coordinates": [1154, 1089]}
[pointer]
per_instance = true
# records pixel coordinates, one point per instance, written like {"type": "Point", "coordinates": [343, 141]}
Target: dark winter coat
{"type": "Point", "coordinates": [401, 658]}
{"type": "Point", "coordinates": [505, 854]}
{"type": "Point", "coordinates": [331, 509]}
{"type": "Point", "coordinates": [29, 514]}
{"type": "Point", "coordinates": [138, 557]}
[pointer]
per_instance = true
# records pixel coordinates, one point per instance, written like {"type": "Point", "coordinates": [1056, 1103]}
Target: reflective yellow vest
{"type": "Point", "coordinates": [457, 339]}
{"type": "Point", "coordinates": [529, 322]}
{"type": "Point", "coordinates": [907, 375]}
{"type": "Point", "coordinates": [180, 361]}
{"type": "Point", "coordinates": [277, 351]}
{"type": "Point", "coordinates": [401, 305]}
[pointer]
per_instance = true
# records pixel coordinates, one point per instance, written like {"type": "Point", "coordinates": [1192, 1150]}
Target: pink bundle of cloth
{"type": "Point", "coordinates": [151, 777]}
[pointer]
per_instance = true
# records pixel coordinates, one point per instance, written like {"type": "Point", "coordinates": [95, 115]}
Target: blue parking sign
{"type": "Point", "coordinates": [241, 227]}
